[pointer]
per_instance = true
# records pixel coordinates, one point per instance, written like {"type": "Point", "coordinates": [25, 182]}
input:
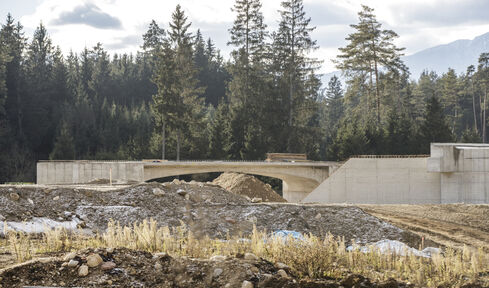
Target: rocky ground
{"type": "Point", "coordinates": [127, 268]}
{"type": "Point", "coordinates": [206, 209]}
{"type": "Point", "coordinates": [247, 185]}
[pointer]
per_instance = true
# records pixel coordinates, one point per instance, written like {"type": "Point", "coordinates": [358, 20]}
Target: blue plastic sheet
{"type": "Point", "coordinates": [285, 234]}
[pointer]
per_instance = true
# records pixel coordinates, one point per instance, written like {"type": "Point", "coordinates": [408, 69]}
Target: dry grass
{"type": "Point", "coordinates": [312, 257]}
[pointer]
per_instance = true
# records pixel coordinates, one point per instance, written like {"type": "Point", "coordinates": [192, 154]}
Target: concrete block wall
{"type": "Point", "coordinates": [380, 181]}
{"type": "Point", "coordinates": [73, 172]}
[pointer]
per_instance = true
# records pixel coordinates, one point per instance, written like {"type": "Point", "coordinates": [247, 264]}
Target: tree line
{"type": "Point", "coordinates": [178, 98]}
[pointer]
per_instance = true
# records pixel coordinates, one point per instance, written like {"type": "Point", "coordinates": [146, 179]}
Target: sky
{"type": "Point", "coordinates": [120, 24]}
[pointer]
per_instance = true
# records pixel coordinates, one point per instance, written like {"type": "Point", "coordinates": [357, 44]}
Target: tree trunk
{"type": "Point", "coordinates": [377, 91]}
{"type": "Point", "coordinates": [291, 91]}
{"type": "Point", "coordinates": [163, 140]}
{"type": "Point", "coordinates": [473, 107]}
{"type": "Point", "coordinates": [484, 119]}
{"type": "Point", "coordinates": [178, 145]}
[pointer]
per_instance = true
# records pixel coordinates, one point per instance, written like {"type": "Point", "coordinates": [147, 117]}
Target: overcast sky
{"type": "Point", "coordinates": [119, 24]}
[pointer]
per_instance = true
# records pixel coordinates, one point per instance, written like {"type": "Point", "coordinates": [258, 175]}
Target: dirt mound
{"type": "Point", "coordinates": [127, 268]}
{"type": "Point", "coordinates": [247, 185]}
{"type": "Point", "coordinates": [204, 208]}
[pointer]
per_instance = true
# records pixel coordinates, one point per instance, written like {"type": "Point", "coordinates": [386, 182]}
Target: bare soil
{"type": "Point", "coordinates": [142, 269]}
{"type": "Point", "coordinates": [453, 225]}
{"type": "Point", "coordinates": [204, 208]}
{"type": "Point", "coordinates": [247, 185]}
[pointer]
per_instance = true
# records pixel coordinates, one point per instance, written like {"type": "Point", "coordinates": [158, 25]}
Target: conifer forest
{"type": "Point", "coordinates": [180, 98]}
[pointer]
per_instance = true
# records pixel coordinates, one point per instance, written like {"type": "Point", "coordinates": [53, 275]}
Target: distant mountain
{"type": "Point", "coordinates": [457, 55]}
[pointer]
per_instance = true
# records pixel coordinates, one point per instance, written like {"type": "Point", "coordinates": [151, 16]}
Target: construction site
{"type": "Point", "coordinates": [368, 222]}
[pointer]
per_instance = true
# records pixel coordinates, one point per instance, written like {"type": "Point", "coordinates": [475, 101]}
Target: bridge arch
{"type": "Point", "coordinates": [297, 181]}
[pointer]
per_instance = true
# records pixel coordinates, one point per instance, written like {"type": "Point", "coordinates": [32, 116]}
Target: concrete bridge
{"type": "Point", "coordinates": [299, 178]}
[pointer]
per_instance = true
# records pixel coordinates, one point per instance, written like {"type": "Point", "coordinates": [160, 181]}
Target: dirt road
{"type": "Point", "coordinates": [450, 225]}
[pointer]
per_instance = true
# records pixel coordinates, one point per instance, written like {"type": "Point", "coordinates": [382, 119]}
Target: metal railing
{"type": "Point", "coordinates": [391, 156]}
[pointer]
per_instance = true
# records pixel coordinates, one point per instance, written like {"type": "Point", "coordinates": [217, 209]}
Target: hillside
{"type": "Point", "coordinates": [457, 55]}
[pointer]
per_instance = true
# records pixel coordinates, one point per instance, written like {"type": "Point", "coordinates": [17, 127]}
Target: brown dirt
{"type": "Point", "coordinates": [204, 209]}
{"type": "Point", "coordinates": [450, 225]}
{"type": "Point", "coordinates": [247, 185]}
{"type": "Point", "coordinates": [142, 269]}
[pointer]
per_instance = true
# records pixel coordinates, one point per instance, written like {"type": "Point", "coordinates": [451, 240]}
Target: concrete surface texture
{"type": "Point", "coordinates": [454, 173]}
{"type": "Point", "coordinates": [299, 179]}
{"type": "Point", "coordinates": [464, 170]}
{"type": "Point", "coordinates": [380, 181]}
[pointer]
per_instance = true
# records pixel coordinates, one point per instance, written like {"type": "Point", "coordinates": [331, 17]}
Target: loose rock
{"type": "Point", "coordinates": [217, 272]}
{"type": "Point", "coordinates": [14, 196]}
{"type": "Point", "coordinates": [94, 260]}
{"type": "Point", "coordinates": [73, 263]}
{"type": "Point", "coordinates": [281, 265]}
{"type": "Point", "coordinates": [160, 255]}
{"type": "Point", "coordinates": [158, 266]}
{"type": "Point", "coordinates": [181, 192]}
{"type": "Point", "coordinates": [158, 192]}
{"type": "Point", "coordinates": [218, 258]}
{"type": "Point", "coordinates": [69, 256]}
{"type": "Point", "coordinates": [282, 273]}
{"type": "Point", "coordinates": [56, 198]}
{"type": "Point", "coordinates": [83, 271]}
{"type": "Point", "coordinates": [256, 200]}
{"type": "Point", "coordinates": [247, 284]}
{"type": "Point", "coordinates": [106, 266]}
{"type": "Point", "coordinates": [250, 256]}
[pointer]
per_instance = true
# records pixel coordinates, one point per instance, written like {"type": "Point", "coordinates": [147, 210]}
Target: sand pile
{"type": "Point", "coordinates": [247, 185]}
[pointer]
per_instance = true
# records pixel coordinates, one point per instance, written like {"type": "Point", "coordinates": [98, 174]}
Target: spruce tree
{"type": "Point", "coordinates": [13, 40]}
{"type": "Point", "coordinates": [64, 148]}
{"type": "Point", "coordinates": [189, 109]}
{"type": "Point", "coordinates": [291, 45]}
{"type": "Point", "coordinates": [248, 84]}
{"type": "Point", "coordinates": [434, 127]}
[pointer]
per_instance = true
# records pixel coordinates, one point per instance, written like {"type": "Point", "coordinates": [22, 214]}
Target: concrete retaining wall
{"type": "Point", "coordinates": [464, 170]}
{"type": "Point", "coordinates": [380, 181]}
{"type": "Point", "coordinates": [74, 172]}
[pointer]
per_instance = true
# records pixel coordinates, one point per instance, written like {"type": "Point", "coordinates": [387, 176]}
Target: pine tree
{"type": "Point", "coordinates": [483, 81]}
{"type": "Point", "coordinates": [369, 49]}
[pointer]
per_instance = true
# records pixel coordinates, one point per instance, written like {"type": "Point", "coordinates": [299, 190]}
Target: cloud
{"type": "Point", "coordinates": [125, 42]}
{"type": "Point", "coordinates": [442, 12]}
{"type": "Point", "coordinates": [329, 13]}
{"type": "Point", "coordinates": [88, 14]}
